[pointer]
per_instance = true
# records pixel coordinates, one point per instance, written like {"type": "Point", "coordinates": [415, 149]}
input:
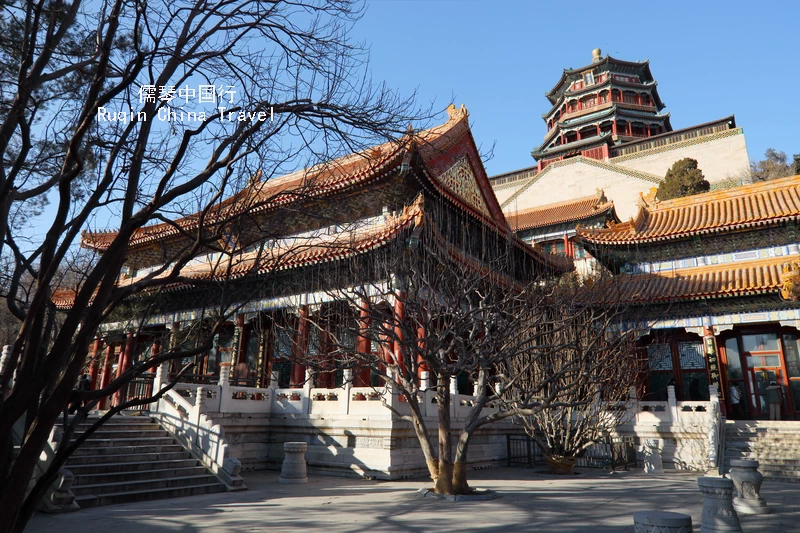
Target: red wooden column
{"type": "Point", "coordinates": [325, 380]}
{"type": "Point", "coordinates": [241, 347]}
{"type": "Point", "coordinates": [399, 317]}
{"type": "Point", "coordinates": [125, 360]}
{"type": "Point", "coordinates": [614, 127]}
{"type": "Point", "coordinates": [94, 364]}
{"type": "Point", "coordinates": [363, 344]}
{"type": "Point", "coordinates": [174, 364]}
{"type": "Point", "coordinates": [566, 246]}
{"type": "Point", "coordinates": [105, 376]}
{"type": "Point", "coordinates": [300, 348]}
{"type": "Point", "coordinates": [421, 365]}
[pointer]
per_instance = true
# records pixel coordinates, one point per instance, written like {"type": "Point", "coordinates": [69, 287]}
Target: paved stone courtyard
{"type": "Point", "coordinates": [595, 501]}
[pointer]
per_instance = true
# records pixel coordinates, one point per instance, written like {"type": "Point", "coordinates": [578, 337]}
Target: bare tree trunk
{"type": "Point", "coordinates": [460, 485]}
{"type": "Point", "coordinates": [424, 441]}
{"type": "Point", "coordinates": [444, 483]}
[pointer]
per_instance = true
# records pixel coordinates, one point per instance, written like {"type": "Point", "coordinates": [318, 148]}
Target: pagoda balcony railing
{"type": "Point", "coordinates": [592, 106]}
{"type": "Point", "coordinates": [637, 107]}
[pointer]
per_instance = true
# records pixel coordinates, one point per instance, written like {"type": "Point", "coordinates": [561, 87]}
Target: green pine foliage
{"type": "Point", "coordinates": [683, 179]}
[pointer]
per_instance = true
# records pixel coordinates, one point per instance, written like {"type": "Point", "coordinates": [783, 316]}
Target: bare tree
{"type": "Point", "coordinates": [579, 356]}
{"type": "Point", "coordinates": [446, 300]}
{"type": "Point", "coordinates": [128, 113]}
{"type": "Point", "coordinates": [774, 165]}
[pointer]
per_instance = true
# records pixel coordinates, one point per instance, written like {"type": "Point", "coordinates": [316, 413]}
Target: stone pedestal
{"type": "Point", "coordinates": [718, 511]}
{"type": "Point", "coordinates": [652, 457]}
{"type": "Point", "coordinates": [661, 522]}
{"type": "Point", "coordinates": [293, 469]}
{"type": "Point", "coordinates": [747, 480]}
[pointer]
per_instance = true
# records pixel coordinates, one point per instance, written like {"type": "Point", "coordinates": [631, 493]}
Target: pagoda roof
{"type": "Point", "coordinates": [561, 212]}
{"type": "Point", "coordinates": [748, 206]}
{"type": "Point", "coordinates": [332, 178]}
{"type": "Point", "coordinates": [762, 276]}
{"type": "Point", "coordinates": [306, 250]}
{"type": "Point", "coordinates": [651, 84]}
{"type": "Point", "coordinates": [630, 115]}
{"type": "Point", "coordinates": [627, 66]}
{"type": "Point", "coordinates": [596, 140]}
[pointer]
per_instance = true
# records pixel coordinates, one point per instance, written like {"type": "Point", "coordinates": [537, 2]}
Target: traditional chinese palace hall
{"type": "Point", "coordinates": [717, 277]}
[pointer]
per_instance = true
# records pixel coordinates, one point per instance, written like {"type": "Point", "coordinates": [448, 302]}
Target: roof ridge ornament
{"type": "Point", "coordinates": [457, 113]}
{"type": "Point", "coordinates": [597, 55]}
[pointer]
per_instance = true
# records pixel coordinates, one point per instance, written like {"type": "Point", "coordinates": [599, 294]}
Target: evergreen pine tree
{"type": "Point", "coordinates": [682, 179]}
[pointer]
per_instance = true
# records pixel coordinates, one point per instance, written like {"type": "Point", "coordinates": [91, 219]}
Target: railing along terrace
{"type": "Point", "coordinates": [383, 402]}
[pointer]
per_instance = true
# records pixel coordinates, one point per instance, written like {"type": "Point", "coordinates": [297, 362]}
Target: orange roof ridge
{"type": "Point", "coordinates": [591, 197]}
{"type": "Point", "coordinates": [560, 212]}
{"type": "Point", "coordinates": [331, 176]}
{"type": "Point", "coordinates": [708, 281]}
{"type": "Point", "coordinates": [731, 192]}
{"type": "Point", "coordinates": [757, 204]}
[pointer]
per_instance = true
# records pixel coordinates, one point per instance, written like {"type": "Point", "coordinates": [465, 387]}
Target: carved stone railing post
{"type": "Point", "coordinates": [652, 457]}
{"type": "Point", "coordinates": [747, 480]}
{"type": "Point", "coordinates": [199, 407]}
{"type": "Point", "coordinates": [661, 522]}
{"type": "Point", "coordinates": [5, 361]}
{"type": "Point", "coordinates": [673, 404]}
{"type": "Point", "coordinates": [274, 379]}
{"type": "Point", "coordinates": [344, 400]}
{"type": "Point", "coordinates": [224, 387]}
{"type": "Point", "coordinates": [453, 395]}
{"type": "Point", "coordinates": [424, 380]}
{"type": "Point", "coordinates": [293, 469]}
{"type": "Point", "coordinates": [161, 379]}
{"type": "Point", "coordinates": [714, 429]}
{"type": "Point", "coordinates": [718, 512]}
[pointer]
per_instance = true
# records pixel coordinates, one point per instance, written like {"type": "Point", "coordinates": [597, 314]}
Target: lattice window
{"type": "Point", "coordinates": [460, 181]}
{"type": "Point", "coordinates": [692, 355]}
{"type": "Point", "coordinates": [282, 344]}
{"type": "Point", "coordinates": [314, 338]}
{"type": "Point", "coordinates": [659, 356]}
{"type": "Point", "coordinates": [658, 387]}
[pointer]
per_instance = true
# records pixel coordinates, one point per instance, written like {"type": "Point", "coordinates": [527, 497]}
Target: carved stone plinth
{"type": "Point", "coordinates": [718, 511]}
{"type": "Point", "coordinates": [661, 522]}
{"type": "Point", "coordinates": [293, 469]}
{"type": "Point", "coordinates": [747, 480]}
{"type": "Point", "coordinates": [652, 457]}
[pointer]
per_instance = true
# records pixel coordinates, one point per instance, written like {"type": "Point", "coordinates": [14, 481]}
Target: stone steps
{"type": "Point", "coordinates": [131, 466]}
{"type": "Point", "coordinates": [138, 496]}
{"type": "Point", "coordinates": [108, 478]}
{"type": "Point", "coordinates": [173, 452]}
{"type": "Point", "coordinates": [108, 426]}
{"type": "Point", "coordinates": [775, 445]}
{"type": "Point", "coordinates": [135, 442]}
{"type": "Point", "coordinates": [127, 450]}
{"type": "Point", "coordinates": [113, 433]}
{"type": "Point", "coordinates": [113, 487]}
{"type": "Point", "coordinates": [133, 459]}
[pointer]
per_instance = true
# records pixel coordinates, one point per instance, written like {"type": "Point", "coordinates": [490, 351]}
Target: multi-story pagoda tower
{"type": "Point", "coordinates": [607, 103]}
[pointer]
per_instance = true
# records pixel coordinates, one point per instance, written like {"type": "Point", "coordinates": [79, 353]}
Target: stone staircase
{"type": "Point", "coordinates": [775, 445]}
{"type": "Point", "coordinates": [130, 459]}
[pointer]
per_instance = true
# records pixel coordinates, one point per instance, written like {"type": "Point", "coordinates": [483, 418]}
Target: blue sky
{"type": "Point", "coordinates": [711, 59]}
